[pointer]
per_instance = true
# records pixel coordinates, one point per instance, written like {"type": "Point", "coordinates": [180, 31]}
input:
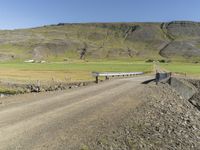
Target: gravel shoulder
{"type": "Point", "coordinates": [165, 121]}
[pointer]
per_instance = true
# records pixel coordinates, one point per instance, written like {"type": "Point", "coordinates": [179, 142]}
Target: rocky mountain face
{"type": "Point", "coordinates": [173, 40]}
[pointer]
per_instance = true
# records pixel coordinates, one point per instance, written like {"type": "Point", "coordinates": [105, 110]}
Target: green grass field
{"type": "Point", "coordinates": [183, 68]}
{"type": "Point", "coordinates": [67, 72]}
{"type": "Point", "coordinates": [81, 71]}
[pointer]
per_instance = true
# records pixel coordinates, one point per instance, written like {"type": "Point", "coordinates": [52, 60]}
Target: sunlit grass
{"type": "Point", "coordinates": [67, 72]}
{"type": "Point", "coordinates": [188, 68]}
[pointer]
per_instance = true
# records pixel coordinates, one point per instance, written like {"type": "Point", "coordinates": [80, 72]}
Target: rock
{"type": "Point", "coordinates": [162, 122]}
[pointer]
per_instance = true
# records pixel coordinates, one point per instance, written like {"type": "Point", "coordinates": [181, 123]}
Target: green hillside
{"type": "Point", "coordinates": [138, 41]}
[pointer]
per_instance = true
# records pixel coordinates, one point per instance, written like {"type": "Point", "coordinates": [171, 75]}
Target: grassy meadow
{"type": "Point", "coordinates": [81, 70]}
{"type": "Point", "coordinates": [65, 72]}
{"type": "Point", "coordinates": [190, 69]}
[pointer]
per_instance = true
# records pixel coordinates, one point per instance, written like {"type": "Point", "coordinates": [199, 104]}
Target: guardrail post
{"type": "Point", "coordinates": [107, 78]}
{"type": "Point", "coordinates": [97, 79]}
{"type": "Point", "coordinates": [157, 78]}
{"type": "Point", "coordinates": [170, 78]}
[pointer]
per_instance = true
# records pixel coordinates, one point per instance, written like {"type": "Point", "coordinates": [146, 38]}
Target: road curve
{"type": "Point", "coordinates": [66, 119]}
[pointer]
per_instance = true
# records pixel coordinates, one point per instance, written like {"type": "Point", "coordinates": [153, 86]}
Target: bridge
{"type": "Point", "coordinates": [107, 75]}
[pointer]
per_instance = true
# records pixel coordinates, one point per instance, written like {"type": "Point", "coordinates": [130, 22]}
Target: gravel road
{"type": "Point", "coordinates": [66, 119]}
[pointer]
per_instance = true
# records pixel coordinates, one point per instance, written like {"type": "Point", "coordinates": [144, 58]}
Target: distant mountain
{"type": "Point", "coordinates": [173, 40]}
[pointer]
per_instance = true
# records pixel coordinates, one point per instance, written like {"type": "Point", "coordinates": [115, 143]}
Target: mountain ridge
{"type": "Point", "coordinates": [176, 40]}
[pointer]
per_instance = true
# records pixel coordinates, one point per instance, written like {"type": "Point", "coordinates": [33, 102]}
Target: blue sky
{"type": "Point", "coordinates": [32, 13]}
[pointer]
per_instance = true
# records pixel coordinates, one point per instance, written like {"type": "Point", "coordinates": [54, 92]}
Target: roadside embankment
{"type": "Point", "coordinates": [195, 99]}
{"type": "Point", "coordinates": [183, 87]}
{"type": "Point", "coordinates": [7, 88]}
{"type": "Point", "coordinates": [166, 120]}
{"type": "Point", "coordinates": [189, 89]}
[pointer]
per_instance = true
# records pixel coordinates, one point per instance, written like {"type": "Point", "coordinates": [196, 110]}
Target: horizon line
{"type": "Point", "coordinates": [95, 22]}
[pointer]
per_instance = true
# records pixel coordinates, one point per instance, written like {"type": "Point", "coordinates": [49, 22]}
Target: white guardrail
{"type": "Point", "coordinates": [114, 74]}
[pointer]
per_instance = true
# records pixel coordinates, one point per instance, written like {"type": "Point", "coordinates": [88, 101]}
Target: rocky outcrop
{"type": "Point", "coordinates": [183, 29]}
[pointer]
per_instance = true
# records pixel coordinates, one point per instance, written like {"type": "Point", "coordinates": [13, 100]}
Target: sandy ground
{"type": "Point", "coordinates": [66, 119]}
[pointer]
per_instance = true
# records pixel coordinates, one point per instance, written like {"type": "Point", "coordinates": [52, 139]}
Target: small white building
{"type": "Point", "coordinates": [29, 61]}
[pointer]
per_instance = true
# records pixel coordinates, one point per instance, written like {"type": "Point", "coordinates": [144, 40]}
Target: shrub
{"type": "Point", "coordinates": [149, 60]}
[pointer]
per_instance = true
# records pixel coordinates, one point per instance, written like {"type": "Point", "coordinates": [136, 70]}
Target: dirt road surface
{"type": "Point", "coordinates": [66, 119]}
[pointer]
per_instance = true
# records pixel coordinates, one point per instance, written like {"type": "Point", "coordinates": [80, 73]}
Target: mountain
{"type": "Point", "coordinates": [177, 40]}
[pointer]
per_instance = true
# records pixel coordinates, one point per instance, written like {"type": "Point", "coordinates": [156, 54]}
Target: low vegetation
{"type": "Point", "coordinates": [174, 40]}
{"type": "Point", "coordinates": [76, 50]}
{"type": "Point", "coordinates": [65, 72]}
{"type": "Point", "coordinates": [183, 68]}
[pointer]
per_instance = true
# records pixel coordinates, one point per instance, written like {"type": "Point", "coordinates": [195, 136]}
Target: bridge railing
{"type": "Point", "coordinates": [163, 77]}
{"type": "Point", "coordinates": [107, 75]}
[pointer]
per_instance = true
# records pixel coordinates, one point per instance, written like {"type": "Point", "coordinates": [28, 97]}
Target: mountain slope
{"type": "Point", "coordinates": [172, 40]}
